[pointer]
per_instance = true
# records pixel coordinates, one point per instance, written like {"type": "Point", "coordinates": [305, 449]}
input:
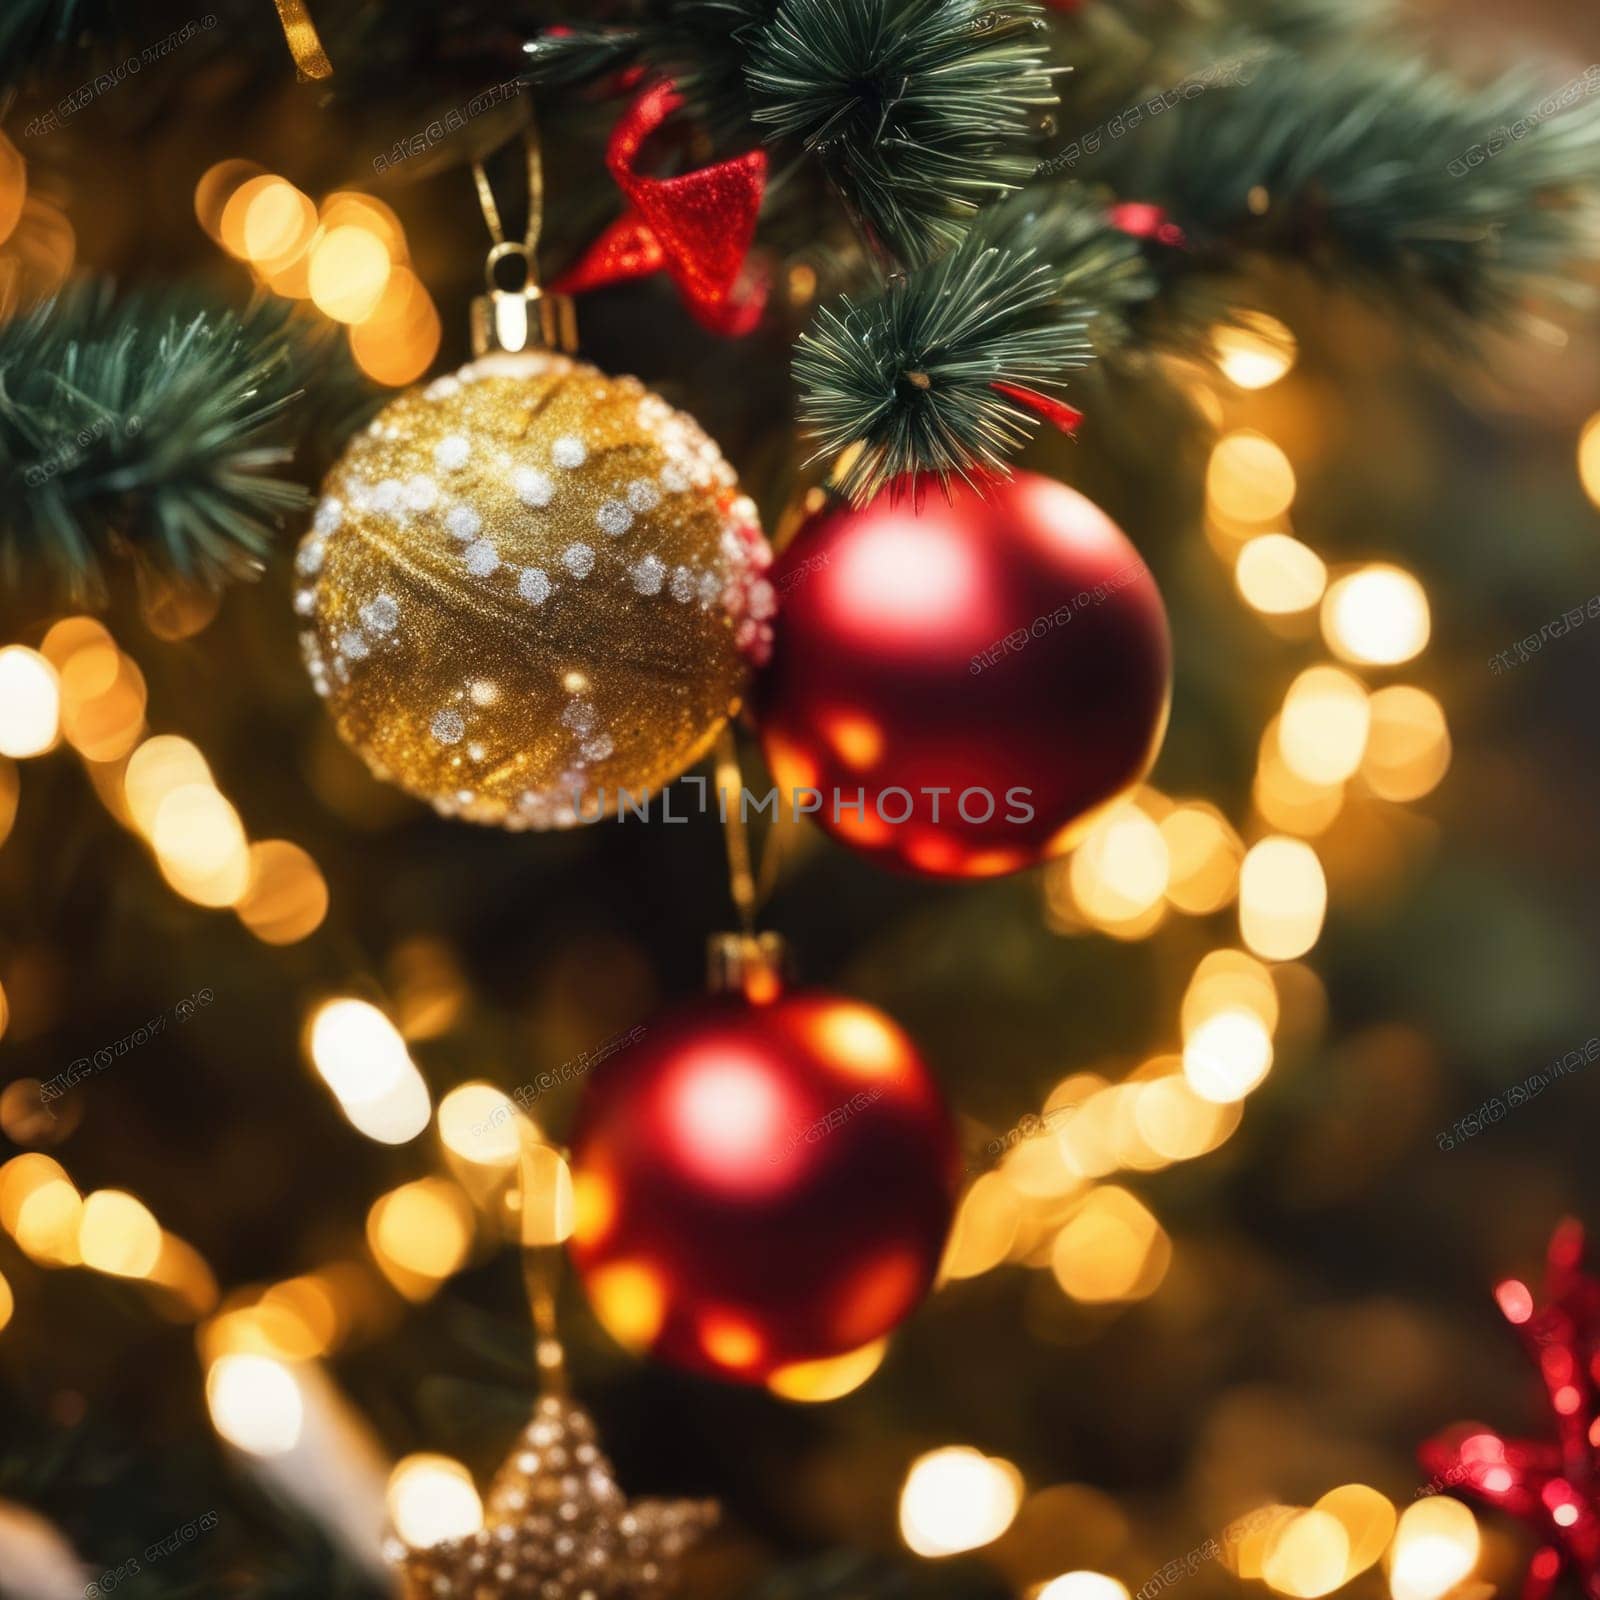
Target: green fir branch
{"type": "Point", "coordinates": [909, 375]}
{"type": "Point", "coordinates": [918, 107]}
{"type": "Point", "coordinates": [146, 426]}
{"type": "Point", "coordinates": [1364, 170]}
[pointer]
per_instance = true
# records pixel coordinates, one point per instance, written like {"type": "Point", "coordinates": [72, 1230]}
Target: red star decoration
{"type": "Point", "coordinates": [1553, 1487]}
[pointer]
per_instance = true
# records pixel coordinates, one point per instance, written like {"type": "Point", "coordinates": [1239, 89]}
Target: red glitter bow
{"type": "Point", "coordinates": [698, 226]}
{"type": "Point", "coordinates": [1553, 1487]}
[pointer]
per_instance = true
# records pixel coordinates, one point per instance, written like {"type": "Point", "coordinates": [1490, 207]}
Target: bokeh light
{"type": "Point", "coordinates": [117, 1234]}
{"type": "Point", "coordinates": [432, 1498]}
{"type": "Point", "coordinates": [1227, 1055]}
{"type": "Point", "coordinates": [1589, 457]}
{"type": "Point", "coordinates": [1283, 897]}
{"type": "Point", "coordinates": [1322, 730]}
{"type": "Point", "coordinates": [1083, 1586]}
{"type": "Point", "coordinates": [480, 1124]}
{"type": "Point", "coordinates": [156, 769]}
{"type": "Point", "coordinates": [1249, 478]}
{"type": "Point", "coordinates": [1306, 1556]}
{"type": "Point", "coordinates": [255, 1403]}
{"type": "Point", "coordinates": [1203, 856]}
{"type": "Point", "coordinates": [1435, 1546]}
{"type": "Point", "coordinates": [30, 703]}
{"type": "Point", "coordinates": [285, 897]}
{"type": "Point", "coordinates": [362, 1058]}
{"type": "Point", "coordinates": [1278, 576]}
{"type": "Point", "coordinates": [1253, 349]}
{"type": "Point", "coordinates": [349, 272]}
{"type": "Point", "coordinates": [1368, 1520]}
{"type": "Point", "coordinates": [420, 1233]}
{"type": "Point", "coordinates": [200, 845]}
{"type": "Point", "coordinates": [1377, 616]}
{"type": "Point", "coordinates": [1120, 871]}
{"type": "Point", "coordinates": [1111, 1248]}
{"type": "Point", "coordinates": [957, 1499]}
{"type": "Point", "coordinates": [1408, 744]}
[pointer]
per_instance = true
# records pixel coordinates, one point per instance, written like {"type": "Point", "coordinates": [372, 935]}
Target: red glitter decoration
{"type": "Point", "coordinates": [1553, 1487]}
{"type": "Point", "coordinates": [697, 227]}
{"type": "Point", "coordinates": [760, 1184]}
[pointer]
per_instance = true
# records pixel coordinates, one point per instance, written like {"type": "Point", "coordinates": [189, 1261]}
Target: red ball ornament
{"type": "Point", "coordinates": [761, 1184]}
{"type": "Point", "coordinates": [968, 682]}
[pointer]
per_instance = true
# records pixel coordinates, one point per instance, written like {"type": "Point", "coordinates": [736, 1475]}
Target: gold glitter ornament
{"type": "Point", "coordinates": [532, 592]}
{"type": "Point", "coordinates": [557, 1527]}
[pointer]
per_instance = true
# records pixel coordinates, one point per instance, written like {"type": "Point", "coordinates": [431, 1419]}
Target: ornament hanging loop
{"type": "Point", "coordinates": [524, 316]}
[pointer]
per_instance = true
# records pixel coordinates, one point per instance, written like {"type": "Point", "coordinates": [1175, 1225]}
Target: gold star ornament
{"type": "Point", "coordinates": [557, 1527]}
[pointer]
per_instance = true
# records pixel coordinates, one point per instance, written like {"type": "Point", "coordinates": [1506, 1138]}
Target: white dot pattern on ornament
{"type": "Point", "coordinates": [648, 574]}
{"type": "Point", "coordinates": [534, 585]}
{"type": "Point", "coordinates": [421, 493]}
{"type": "Point", "coordinates": [614, 518]}
{"type": "Point", "coordinates": [569, 451]}
{"type": "Point", "coordinates": [380, 615]}
{"type": "Point", "coordinates": [533, 487]}
{"type": "Point", "coordinates": [482, 558]}
{"type": "Point", "coordinates": [463, 522]}
{"type": "Point", "coordinates": [448, 726]}
{"type": "Point", "coordinates": [451, 453]}
{"type": "Point", "coordinates": [578, 559]}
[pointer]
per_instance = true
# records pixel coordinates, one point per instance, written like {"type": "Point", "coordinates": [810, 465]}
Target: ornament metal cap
{"type": "Point", "coordinates": [753, 964]}
{"type": "Point", "coordinates": [523, 318]}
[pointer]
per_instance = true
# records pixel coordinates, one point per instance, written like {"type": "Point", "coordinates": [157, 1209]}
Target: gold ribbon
{"type": "Point", "coordinates": [309, 57]}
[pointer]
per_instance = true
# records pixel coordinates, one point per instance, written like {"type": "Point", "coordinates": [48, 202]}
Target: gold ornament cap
{"type": "Point", "coordinates": [756, 965]}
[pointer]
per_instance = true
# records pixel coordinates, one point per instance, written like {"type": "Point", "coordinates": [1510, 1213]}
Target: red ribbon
{"type": "Point", "coordinates": [697, 227]}
{"type": "Point", "coordinates": [1058, 412]}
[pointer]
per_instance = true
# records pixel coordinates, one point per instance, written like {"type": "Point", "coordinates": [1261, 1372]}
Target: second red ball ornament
{"type": "Point", "coordinates": [761, 1183]}
{"type": "Point", "coordinates": [960, 687]}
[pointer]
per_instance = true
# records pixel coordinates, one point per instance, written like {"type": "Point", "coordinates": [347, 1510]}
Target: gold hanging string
{"type": "Point", "coordinates": [539, 1279]}
{"type": "Point", "coordinates": [491, 211]}
{"type": "Point", "coordinates": [730, 786]}
{"type": "Point", "coordinates": [310, 59]}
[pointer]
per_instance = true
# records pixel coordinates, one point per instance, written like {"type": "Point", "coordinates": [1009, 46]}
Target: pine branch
{"type": "Point", "coordinates": [144, 425]}
{"type": "Point", "coordinates": [1375, 171]}
{"type": "Point", "coordinates": [910, 376]}
{"type": "Point", "coordinates": [917, 106]}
